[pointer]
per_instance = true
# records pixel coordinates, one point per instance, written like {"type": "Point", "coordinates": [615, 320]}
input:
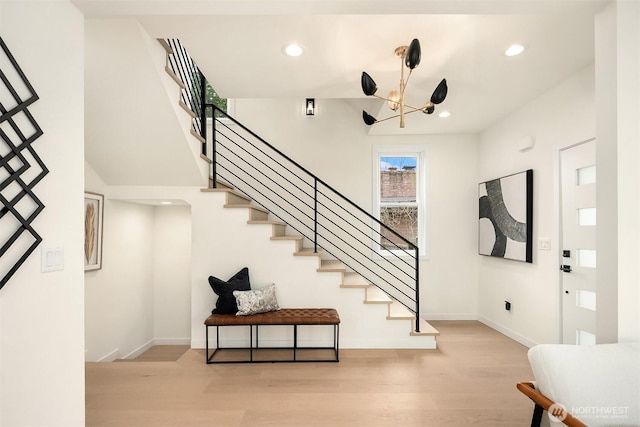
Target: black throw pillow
{"type": "Point", "coordinates": [226, 303]}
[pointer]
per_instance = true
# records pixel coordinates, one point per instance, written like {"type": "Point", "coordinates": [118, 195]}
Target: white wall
{"type": "Point", "coordinates": [607, 192]}
{"type": "Point", "coordinates": [172, 275]}
{"type": "Point", "coordinates": [141, 296]}
{"type": "Point", "coordinates": [119, 123]}
{"type": "Point", "coordinates": [41, 314]}
{"type": "Point", "coordinates": [628, 110]}
{"type": "Point", "coordinates": [559, 118]}
{"type": "Point", "coordinates": [119, 297]}
{"type": "Point", "coordinates": [335, 146]}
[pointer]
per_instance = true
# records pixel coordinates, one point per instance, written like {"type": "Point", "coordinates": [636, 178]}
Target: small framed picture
{"type": "Point", "coordinates": [93, 213]}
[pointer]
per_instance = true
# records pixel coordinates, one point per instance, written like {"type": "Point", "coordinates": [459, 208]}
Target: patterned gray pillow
{"type": "Point", "coordinates": [256, 301]}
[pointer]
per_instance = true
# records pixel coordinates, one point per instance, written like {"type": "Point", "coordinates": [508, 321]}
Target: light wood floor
{"type": "Point", "coordinates": [470, 380]}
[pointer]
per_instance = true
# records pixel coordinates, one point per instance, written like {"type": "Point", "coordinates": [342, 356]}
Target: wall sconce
{"type": "Point", "coordinates": [310, 107]}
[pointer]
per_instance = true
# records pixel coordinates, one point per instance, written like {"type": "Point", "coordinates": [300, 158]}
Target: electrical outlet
{"type": "Point", "coordinates": [507, 305]}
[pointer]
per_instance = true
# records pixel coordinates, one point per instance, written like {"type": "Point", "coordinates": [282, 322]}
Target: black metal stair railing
{"type": "Point", "coordinates": [310, 206]}
{"type": "Point", "coordinates": [193, 93]}
{"type": "Point", "coordinates": [327, 219]}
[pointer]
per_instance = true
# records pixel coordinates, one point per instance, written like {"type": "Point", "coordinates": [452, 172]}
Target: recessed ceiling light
{"type": "Point", "coordinates": [292, 49]}
{"type": "Point", "coordinates": [166, 203]}
{"type": "Point", "coordinates": [514, 50]}
{"type": "Point", "coordinates": [444, 114]}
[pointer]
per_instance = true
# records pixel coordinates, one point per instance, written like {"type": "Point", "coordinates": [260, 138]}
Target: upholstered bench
{"type": "Point", "coordinates": [284, 317]}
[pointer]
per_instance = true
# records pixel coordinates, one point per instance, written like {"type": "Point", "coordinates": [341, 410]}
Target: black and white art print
{"type": "Point", "coordinates": [505, 227]}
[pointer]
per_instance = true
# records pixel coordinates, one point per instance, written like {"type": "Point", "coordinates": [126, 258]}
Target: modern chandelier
{"type": "Point", "coordinates": [410, 58]}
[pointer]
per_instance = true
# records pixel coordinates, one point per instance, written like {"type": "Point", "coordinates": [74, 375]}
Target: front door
{"type": "Point", "coordinates": [578, 252]}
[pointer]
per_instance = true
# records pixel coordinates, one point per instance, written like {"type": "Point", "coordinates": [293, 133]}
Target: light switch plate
{"type": "Point", "coordinates": [52, 258]}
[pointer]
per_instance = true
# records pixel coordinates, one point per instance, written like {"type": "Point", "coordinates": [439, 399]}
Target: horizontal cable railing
{"type": "Point", "coordinates": [322, 215]}
{"type": "Point", "coordinates": [193, 93]}
{"type": "Point", "coordinates": [327, 219]}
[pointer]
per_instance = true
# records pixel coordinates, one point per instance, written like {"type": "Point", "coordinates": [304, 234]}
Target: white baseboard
{"type": "Point", "coordinates": [508, 332]}
{"type": "Point", "coordinates": [110, 357]}
{"type": "Point", "coordinates": [449, 316]}
{"type": "Point", "coordinates": [138, 351]}
{"type": "Point", "coordinates": [172, 341]}
{"type": "Point", "coordinates": [157, 341]}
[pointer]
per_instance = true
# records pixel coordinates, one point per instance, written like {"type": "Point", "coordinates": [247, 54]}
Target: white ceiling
{"type": "Point", "coordinates": [237, 43]}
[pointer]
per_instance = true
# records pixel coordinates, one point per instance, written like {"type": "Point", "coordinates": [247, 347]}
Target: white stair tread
{"type": "Point", "coordinates": [287, 237]}
{"type": "Point", "coordinates": [266, 221]}
{"type": "Point", "coordinates": [216, 190]}
{"type": "Point", "coordinates": [221, 184]}
{"type": "Point", "coordinates": [308, 252]}
{"type": "Point", "coordinates": [425, 329]}
{"type": "Point", "coordinates": [247, 206]}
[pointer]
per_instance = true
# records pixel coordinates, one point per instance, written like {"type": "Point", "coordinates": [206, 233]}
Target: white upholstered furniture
{"type": "Point", "coordinates": [597, 385]}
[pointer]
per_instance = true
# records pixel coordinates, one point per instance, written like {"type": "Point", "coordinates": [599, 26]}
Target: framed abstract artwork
{"type": "Point", "coordinates": [505, 228]}
{"type": "Point", "coordinates": [93, 212]}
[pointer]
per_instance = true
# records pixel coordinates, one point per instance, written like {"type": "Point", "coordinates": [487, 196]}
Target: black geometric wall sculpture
{"type": "Point", "coordinates": [20, 167]}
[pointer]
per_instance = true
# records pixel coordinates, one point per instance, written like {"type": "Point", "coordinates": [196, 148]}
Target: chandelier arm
{"type": "Point", "coordinates": [388, 118]}
{"type": "Point", "coordinates": [415, 108]}
{"type": "Point", "coordinates": [397, 115]}
{"type": "Point", "coordinates": [407, 81]}
{"type": "Point", "coordinates": [381, 97]}
{"type": "Point", "coordinates": [406, 105]}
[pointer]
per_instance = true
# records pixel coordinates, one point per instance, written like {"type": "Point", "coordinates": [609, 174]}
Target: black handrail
{"type": "Point", "coordinates": [312, 208]}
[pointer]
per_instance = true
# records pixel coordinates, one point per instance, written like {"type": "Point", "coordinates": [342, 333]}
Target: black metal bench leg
{"type": "Point", "coordinates": [206, 353]}
{"type": "Point", "coordinates": [295, 341]}
{"type": "Point", "coordinates": [251, 341]}
{"type": "Point", "coordinates": [255, 345]}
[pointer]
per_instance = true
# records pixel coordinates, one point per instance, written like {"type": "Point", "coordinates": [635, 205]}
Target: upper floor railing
{"type": "Point", "coordinates": [194, 91]}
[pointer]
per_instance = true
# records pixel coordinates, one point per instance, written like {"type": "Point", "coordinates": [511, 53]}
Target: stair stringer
{"type": "Point", "coordinates": [246, 238]}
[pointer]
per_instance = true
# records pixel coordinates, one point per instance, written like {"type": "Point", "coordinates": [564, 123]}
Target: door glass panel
{"type": "Point", "coordinates": [586, 299]}
{"type": "Point", "coordinates": [587, 258]}
{"type": "Point", "coordinates": [587, 216]}
{"type": "Point", "coordinates": [585, 338]}
{"type": "Point", "coordinates": [587, 175]}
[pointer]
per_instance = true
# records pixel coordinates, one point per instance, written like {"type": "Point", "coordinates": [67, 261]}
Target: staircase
{"type": "Point", "coordinates": [323, 226]}
{"type": "Point", "coordinates": [371, 294]}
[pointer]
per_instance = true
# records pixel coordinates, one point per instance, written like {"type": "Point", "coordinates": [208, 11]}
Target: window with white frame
{"type": "Point", "coordinates": [400, 199]}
